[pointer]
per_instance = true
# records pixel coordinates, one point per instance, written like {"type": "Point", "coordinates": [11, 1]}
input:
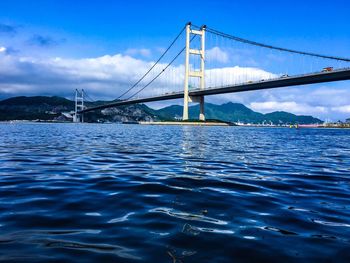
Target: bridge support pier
{"type": "Point", "coordinates": [201, 109]}
{"type": "Point", "coordinates": [195, 73]}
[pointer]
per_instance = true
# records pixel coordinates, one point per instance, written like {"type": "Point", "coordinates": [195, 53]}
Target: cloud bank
{"type": "Point", "coordinates": [105, 76]}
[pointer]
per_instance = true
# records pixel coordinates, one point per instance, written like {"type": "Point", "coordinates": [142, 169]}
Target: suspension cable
{"type": "Point", "coordinates": [159, 59]}
{"type": "Point", "coordinates": [160, 73]}
{"type": "Point", "coordinates": [216, 32]}
{"type": "Point", "coordinates": [87, 96]}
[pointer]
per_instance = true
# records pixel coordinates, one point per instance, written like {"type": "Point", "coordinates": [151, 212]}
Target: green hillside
{"type": "Point", "coordinates": [234, 112]}
{"type": "Point", "coordinates": [50, 108]}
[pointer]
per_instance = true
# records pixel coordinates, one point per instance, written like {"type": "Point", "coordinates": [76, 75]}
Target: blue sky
{"type": "Point", "coordinates": [35, 32]}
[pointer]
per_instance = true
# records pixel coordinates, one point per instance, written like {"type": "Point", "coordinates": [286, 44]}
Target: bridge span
{"type": "Point", "coordinates": [319, 77]}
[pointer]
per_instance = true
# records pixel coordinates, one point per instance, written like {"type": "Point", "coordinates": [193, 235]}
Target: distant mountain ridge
{"type": "Point", "coordinates": [236, 112]}
{"type": "Point", "coordinates": [32, 108]}
{"type": "Point", "coordinates": [50, 108]}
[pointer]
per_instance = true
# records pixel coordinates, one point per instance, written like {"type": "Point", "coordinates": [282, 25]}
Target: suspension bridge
{"type": "Point", "coordinates": [201, 61]}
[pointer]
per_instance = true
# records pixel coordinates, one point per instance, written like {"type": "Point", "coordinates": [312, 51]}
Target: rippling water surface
{"type": "Point", "coordinates": [132, 193]}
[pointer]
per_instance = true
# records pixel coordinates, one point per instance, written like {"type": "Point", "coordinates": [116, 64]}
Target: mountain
{"type": "Point", "coordinates": [235, 112]}
{"type": "Point", "coordinates": [31, 108]}
{"type": "Point", "coordinates": [51, 108]}
{"type": "Point", "coordinates": [285, 117]}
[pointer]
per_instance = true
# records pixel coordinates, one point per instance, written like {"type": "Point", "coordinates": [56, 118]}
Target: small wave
{"type": "Point", "coordinates": [120, 219]}
{"type": "Point", "coordinates": [327, 223]}
{"type": "Point", "coordinates": [188, 216]}
{"type": "Point", "coordinates": [279, 230]}
{"type": "Point", "coordinates": [194, 230]}
{"type": "Point", "coordinates": [99, 248]}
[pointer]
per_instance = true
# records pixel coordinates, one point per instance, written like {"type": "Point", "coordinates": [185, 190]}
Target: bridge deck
{"type": "Point", "coordinates": [319, 77]}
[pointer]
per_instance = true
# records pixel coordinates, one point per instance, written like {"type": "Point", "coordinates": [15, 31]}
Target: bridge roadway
{"type": "Point", "coordinates": [319, 77]}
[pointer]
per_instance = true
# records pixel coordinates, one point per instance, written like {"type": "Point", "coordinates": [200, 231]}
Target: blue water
{"type": "Point", "coordinates": [133, 193]}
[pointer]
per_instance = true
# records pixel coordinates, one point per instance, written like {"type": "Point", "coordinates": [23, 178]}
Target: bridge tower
{"type": "Point", "coordinates": [194, 74]}
{"type": "Point", "coordinates": [79, 105]}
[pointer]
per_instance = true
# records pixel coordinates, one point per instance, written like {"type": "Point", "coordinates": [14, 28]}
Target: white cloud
{"type": "Point", "coordinates": [235, 75]}
{"type": "Point", "coordinates": [289, 106]}
{"type": "Point", "coordinates": [144, 52]}
{"type": "Point", "coordinates": [2, 49]}
{"type": "Point", "coordinates": [217, 54]}
{"type": "Point", "coordinates": [106, 75]}
{"type": "Point", "coordinates": [342, 109]}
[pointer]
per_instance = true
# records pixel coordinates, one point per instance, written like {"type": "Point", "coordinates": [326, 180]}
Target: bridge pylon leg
{"type": "Point", "coordinates": [195, 73]}
{"type": "Point", "coordinates": [79, 105]}
{"type": "Point", "coordinates": [187, 69]}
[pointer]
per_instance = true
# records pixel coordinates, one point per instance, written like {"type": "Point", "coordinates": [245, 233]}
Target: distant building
{"type": "Point", "coordinates": [65, 116]}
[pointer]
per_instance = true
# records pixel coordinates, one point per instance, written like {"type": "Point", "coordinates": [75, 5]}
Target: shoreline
{"type": "Point", "coordinates": [177, 123]}
{"type": "Point", "coordinates": [189, 123]}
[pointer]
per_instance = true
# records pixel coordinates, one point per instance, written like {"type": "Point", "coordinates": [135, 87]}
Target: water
{"type": "Point", "coordinates": [132, 193]}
